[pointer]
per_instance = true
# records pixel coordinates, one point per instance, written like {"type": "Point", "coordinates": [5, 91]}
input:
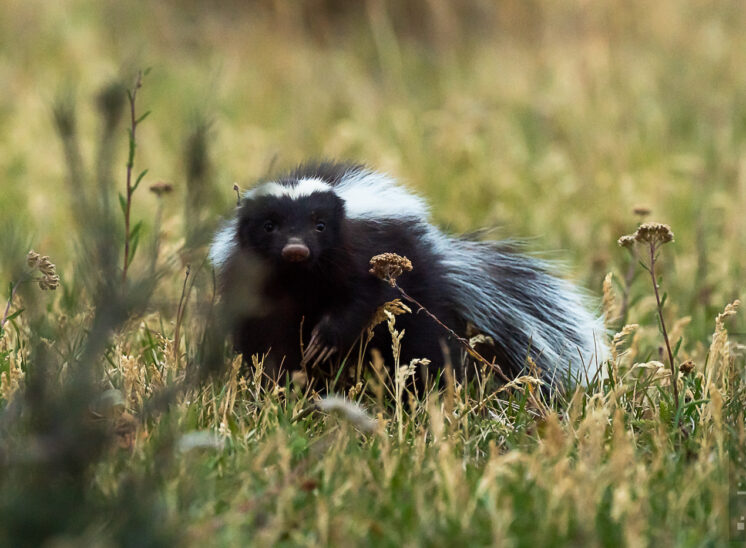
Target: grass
{"type": "Point", "coordinates": [550, 121]}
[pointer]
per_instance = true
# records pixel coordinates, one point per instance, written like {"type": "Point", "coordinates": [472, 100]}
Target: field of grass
{"type": "Point", "coordinates": [124, 417]}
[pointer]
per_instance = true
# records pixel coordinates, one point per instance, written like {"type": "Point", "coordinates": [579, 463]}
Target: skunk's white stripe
{"type": "Point", "coordinates": [369, 195]}
{"type": "Point", "coordinates": [224, 243]}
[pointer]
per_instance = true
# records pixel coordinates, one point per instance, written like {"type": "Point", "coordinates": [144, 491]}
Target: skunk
{"type": "Point", "coordinates": [293, 269]}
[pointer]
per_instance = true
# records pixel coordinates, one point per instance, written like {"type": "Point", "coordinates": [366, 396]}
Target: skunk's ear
{"type": "Point", "coordinates": [243, 228]}
{"type": "Point", "coordinates": [245, 214]}
{"type": "Point", "coordinates": [339, 206]}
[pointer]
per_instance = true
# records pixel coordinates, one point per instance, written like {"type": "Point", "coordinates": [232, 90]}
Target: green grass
{"type": "Point", "coordinates": [547, 121]}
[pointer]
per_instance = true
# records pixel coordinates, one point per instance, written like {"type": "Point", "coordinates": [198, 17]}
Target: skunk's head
{"type": "Point", "coordinates": [293, 223]}
{"type": "Point", "coordinates": [297, 218]}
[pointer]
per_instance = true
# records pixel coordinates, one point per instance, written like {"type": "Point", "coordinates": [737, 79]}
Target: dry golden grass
{"type": "Point", "coordinates": [571, 123]}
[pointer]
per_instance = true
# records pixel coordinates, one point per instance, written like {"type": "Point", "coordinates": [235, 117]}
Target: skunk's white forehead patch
{"type": "Point", "coordinates": [301, 189]}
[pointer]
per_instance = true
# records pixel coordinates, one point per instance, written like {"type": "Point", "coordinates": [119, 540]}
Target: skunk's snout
{"type": "Point", "coordinates": [295, 251]}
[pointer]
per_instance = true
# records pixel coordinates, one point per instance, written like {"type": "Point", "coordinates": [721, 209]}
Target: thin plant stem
{"type": "Point", "coordinates": [465, 345]}
{"type": "Point", "coordinates": [628, 277]}
{"type": "Point", "coordinates": [10, 302]}
{"type": "Point", "coordinates": [180, 315]}
{"type": "Point", "coordinates": [463, 342]}
{"type": "Point", "coordinates": [663, 325]}
{"type": "Point", "coordinates": [132, 96]}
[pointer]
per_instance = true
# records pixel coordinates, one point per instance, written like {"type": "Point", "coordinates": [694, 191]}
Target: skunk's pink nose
{"type": "Point", "coordinates": [295, 251]}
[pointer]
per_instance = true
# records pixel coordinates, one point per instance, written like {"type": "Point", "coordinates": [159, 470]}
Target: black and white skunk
{"type": "Point", "coordinates": [293, 266]}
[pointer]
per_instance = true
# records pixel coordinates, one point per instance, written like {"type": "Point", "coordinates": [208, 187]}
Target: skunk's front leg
{"type": "Point", "coordinates": [322, 345]}
{"type": "Point", "coordinates": [338, 329]}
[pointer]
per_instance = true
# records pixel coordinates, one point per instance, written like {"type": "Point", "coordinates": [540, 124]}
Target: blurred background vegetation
{"type": "Point", "coordinates": [549, 121]}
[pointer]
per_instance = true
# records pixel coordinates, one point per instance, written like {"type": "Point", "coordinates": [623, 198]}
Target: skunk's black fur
{"type": "Point", "coordinates": [294, 265]}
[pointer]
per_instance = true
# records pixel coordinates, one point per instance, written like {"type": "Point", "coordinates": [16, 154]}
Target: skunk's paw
{"type": "Point", "coordinates": [323, 344]}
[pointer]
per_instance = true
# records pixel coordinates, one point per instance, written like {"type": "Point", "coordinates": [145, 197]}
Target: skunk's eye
{"type": "Point", "coordinates": [320, 226]}
{"type": "Point", "coordinates": [269, 226]}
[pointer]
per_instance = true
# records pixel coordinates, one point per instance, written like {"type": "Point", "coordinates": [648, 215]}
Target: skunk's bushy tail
{"type": "Point", "coordinates": [528, 311]}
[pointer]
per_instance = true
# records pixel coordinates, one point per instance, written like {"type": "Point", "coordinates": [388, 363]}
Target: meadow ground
{"type": "Point", "coordinates": [126, 421]}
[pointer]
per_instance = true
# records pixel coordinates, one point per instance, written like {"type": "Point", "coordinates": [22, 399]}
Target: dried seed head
{"type": "Point", "coordinates": [49, 282]}
{"type": "Point", "coordinates": [355, 390]}
{"type": "Point", "coordinates": [395, 307]}
{"type": "Point", "coordinates": [32, 258]}
{"type": "Point", "coordinates": [626, 241]}
{"type": "Point", "coordinates": [161, 187]}
{"type": "Point", "coordinates": [389, 266]}
{"type": "Point", "coordinates": [46, 267]}
{"type": "Point", "coordinates": [300, 379]}
{"type": "Point", "coordinates": [654, 233]}
{"type": "Point", "coordinates": [49, 278]}
{"type": "Point", "coordinates": [641, 210]}
{"type": "Point", "coordinates": [687, 367]}
{"type": "Point", "coordinates": [609, 300]}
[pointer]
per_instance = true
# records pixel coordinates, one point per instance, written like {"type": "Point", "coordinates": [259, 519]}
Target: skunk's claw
{"type": "Point", "coordinates": [314, 337]}
{"type": "Point", "coordinates": [321, 346]}
{"type": "Point", "coordinates": [308, 355]}
{"type": "Point", "coordinates": [332, 350]}
{"type": "Point", "coordinates": [325, 354]}
{"type": "Point", "coordinates": [314, 345]}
